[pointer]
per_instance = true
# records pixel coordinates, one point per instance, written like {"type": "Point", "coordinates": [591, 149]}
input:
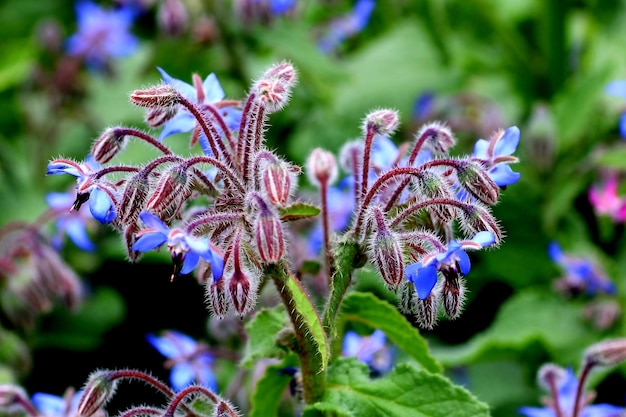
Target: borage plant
{"type": "Point", "coordinates": [226, 214]}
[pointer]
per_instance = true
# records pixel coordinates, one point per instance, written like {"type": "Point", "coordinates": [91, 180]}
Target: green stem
{"type": "Point", "coordinates": [346, 260]}
{"type": "Point", "coordinates": [311, 366]}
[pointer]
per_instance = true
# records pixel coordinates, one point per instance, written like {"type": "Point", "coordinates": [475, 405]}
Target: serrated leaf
{"type": "Point", "coordinates": [379, 314]}
{"type": "Point", "coordinates": [311, 318]}
{"type": "Point", "coordinates": [262, 331]}
{"type": "Point", "coordinates": [298, 211]}
{"type": "Point", "coordinates": [406, 391]}
{"type": "Point", "coordinates": [270, 388]}
{"type": "Point", "coordinates": [526, 319]}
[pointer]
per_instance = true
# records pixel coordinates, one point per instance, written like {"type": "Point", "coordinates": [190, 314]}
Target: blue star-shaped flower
{"type": "Point", "coordinates": [71, 223]}
{"type": "Point", "coordinates": [497, 153]}
{"type": "Point", "coordinates": [423, 274]}
{"type": "Point", "coordinates": [102, 34]}
{"type": "Point", "coordinates": [347, 26]}
{"type": "Point", "coordinates": [189, 360]}
{"type": "Point", "coordinates": [54, 406]}
{"type": "Point", "coordinates": [186, 250]}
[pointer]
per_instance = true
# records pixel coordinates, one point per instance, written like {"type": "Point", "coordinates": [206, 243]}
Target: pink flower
{"type": "Point", "coordinates": [605, 200]}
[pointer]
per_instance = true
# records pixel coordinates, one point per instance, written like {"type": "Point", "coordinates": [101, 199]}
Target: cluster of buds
{"type": "Point", "coordinates": [220, 212]}
{"type": "Point", "coordinates": [417, 209]}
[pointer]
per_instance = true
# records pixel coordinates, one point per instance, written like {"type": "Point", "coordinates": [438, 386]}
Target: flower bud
{"type": "Point", "coordinates": [169, 191]}
{"type": "Point", "coordinates": [351, 156]}
{"type": "Point", "coordinates": [452, 293]}
{"type": "Point", "coordinates": [426, 311]}
{"type": "Point", "coordinates": [381, 122]}
{"type": "Point", "coordinates": [172, 17]}
{"type": "Point", "coordinates": [225, 409]}
{"type": "Point", "coordinates": [109, 144]}
{"type": "Point", "coordinates": [273, 94]}
{"type": "Point", "coordinates": [276, 179]}
{"type": "Point", "coordinates": [12, 400]}
{"type": "Point", "coordinates": [476, 218]}
{"type": "Point", "coordinates": [385, 251]}
{"type": "Point", "coordinates": [242, 283]}
{"type": "Point", "coordinates": [134, 198]}
{"type": "Point", "coordinates": [606, 353]}
{"type": "Point", "coordinates": [321, 167]}
{"type": "Point", "coordinates": [159, 96]}
{"type": "Point", "coordinates": [475, 179]}
{"type": "Point", "coordinates": [216, 297]}
{"type": "Point", "coordinates": [157, 116]}
{"type": "Point", "coordinates": [283, 71]}
{"type": "Point", "coordinates": [436, 136]}
{"type": "Point", "coordinates": [406, 297]}
{"type": "Point", "coordinates": [432, 185]}
{"type": "Point", "coordinates": [99, 389]}
{"type": "Point", "coordinates": [268, 231]}
{"type": "Point", "coordinates": [550, 376]}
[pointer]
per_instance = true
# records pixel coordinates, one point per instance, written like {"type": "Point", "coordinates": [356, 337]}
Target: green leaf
{"type": "Point", "coordinates": [307, 310]}
{"type": "Point", "coordinates": [270, 388]}
{"type": "Point", "coordinates": [298, 211]}
{"type": "Point", "coordinates": [406, 391]}
{"type": "Point", "coordinates": [378, 314]}
{"type": "Point", "coordinates": [614, 157]}
{"type": "Point", "coordinates": [262, 331]}
{"type": "Point", "coordinates": [527, 319]}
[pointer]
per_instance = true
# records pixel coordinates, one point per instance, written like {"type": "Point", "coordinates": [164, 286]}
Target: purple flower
{"type": "Point", "coordinates": [102, 34]}
{"type": "Point", "coordinates": [618, 89]}
{"type": "Point", "coordinates": [72, 223]}
{"type": "Point", "coordinates": [567, 397]}
{"type": "Point", "coordinates": [190, 361]}
{"type": "Point", "coordinates": [371, 350]}
{"type": "Point", "coordinates": [423, 274]}
{"type": "Point", "coordinates": [88, 187]}
{"type": "Point", "coordinates": [186, 250]}
{"type": "Point", "coordinates": [347, 26]}
{"type": "Point", "coordinates": [207, 92]}
{"type": "Point", "coordinates": [496, 153]}
{"type": "Point", "coordinates": [580, 274]}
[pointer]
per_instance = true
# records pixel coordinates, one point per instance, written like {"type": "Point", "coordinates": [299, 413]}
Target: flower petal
{"type": "Point", "coordinates": [187, 90]}
{"type": "Point", "coordinates": [212, 89]}
{"type": "Point", "coordinates": [154, 222]}
{"type": "Point", "coordinates": [507, 144]}
{"type": "Point", "coordinates": [502, 175]}
{"type": "Point", "coordinates": [616, 88]}
{"type": "Point", "coordinates": [101, 206]}
{"type": "Point", "coordinates": [149, 241]}
{"type": "Point", "coordinates": [190, 262]}
{"type": "Point", "coordinates": [463, 261]}
{"type": "Point", "coordinates": [426, 280]}
{"type": "Point", "coordinates": [182, 375]}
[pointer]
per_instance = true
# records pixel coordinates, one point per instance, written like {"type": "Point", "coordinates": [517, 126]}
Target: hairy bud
{"type": "Point", "coordinates": [321, 167]}
{"type": "Point", "coordinates": [13, 398]}
{"type": "Point", "coordinates": [436, 136]}
{"type": "Point", "coordinates": [385, 251]}
{"type": "Point", "coordinates": [351, 156]}
{"type": "Point", "coordinates": [134, 198]}
{"type": "Point", "coordinates": [171, 188]}
{"type": "Point", "coordinates": [283, 71]}
{"type": "Point", "coordinates": [109, 144]}
{"type": "Point", "coordinates": [606, 353]}
{"type": "Point", "coordinates": [216, 297]}
{"type": "Point", "coordinates": [381, 122]}
{"type": "Point", "coordinates": [97, 392]}
{"type": "Point", "coordinates": [406, 297]}
{"type": "Point", "coordinates": [225, 409]}
{"type": "Point", "coordinates": [276, 179]}
{"type": "Point", "coordinates": [273, 94]}
{"type": "Point", "coordinates": [475, 179]}
{"type": "Point", "coordinates": [157, 116]}
{"type": "Point", "coordinates": [476, 218]}
{"type": "Point", "coordinates": [550, 375]}
{"type": "Point", "coordinates": [172, 17]}
{"type": "Point", "coordinates": [426, 311]}
{"type": "Point", "coordinates": [452, 293]}
{"type": "Point", "coordinates": [268, 231]}
{"type": "Point", "coordinates": [159, 96]}
{"type": "Point", "coordinates": [431, 185]}
{"type": "Point", "coordinates": [242, 283]}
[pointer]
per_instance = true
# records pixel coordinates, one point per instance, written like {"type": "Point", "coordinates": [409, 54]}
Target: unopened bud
{"type": "Point", "coordinates": [273, 94]}
{"type": "Point", "coordinates": [436, 136]}
{"type": "Point", "coordinates": [172, 17]}
{"type": "Point", "coordinates": [269, 234]}
{"type": "Point", "coordinates": [225, 409]}
{"type": "Point", "coordinates": [321, 167]}
{"type": "Point", "coordinates": [476, 218]}
{"type": "Point", "coordinates": [550, 376]}
{"type": "Point", "coordinates": [160, 96]}
{"type": "Point", "coordinates": [351, 156]}
{"type": "Point", "coordinates": [385, 251]}
{"type": "Point", "coordinates": [171, 188]}
{"type": "Point", "coordinates": [217, 297]}
{"type": "Point", "coordinates": [406, 297]}
{"type": "Point", "coordinates": [381, 122]}
{"type": "Point", "coordinates": [240, 292]}
{"type": "Point", "coordinates": [452, 293]}
{"type": "Point", "coordinates": [99, 389]}
{"type": "Point", "coordinates": [426, 311]}
{"type": "Point", "coordinates": [475, 179]}
{"type": "Point", "coordinates": [276, 179]}
{"type": "Point", "coordinates": [134, 198]}
{"type": "Point", "coordinates": [157, 116]}
{"type": "Point", "coordinates": [607, 353]}
{"type": "Point", "coordinates": [432, 185]}
{"type": "Point", "coordinates": [283, 71]}
{"type": "Point", "coordinates": [13, 398]}
{"type": "Point", "coordinates": [109, 144]}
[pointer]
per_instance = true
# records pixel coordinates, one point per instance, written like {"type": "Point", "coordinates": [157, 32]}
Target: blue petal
{"type": "Point", "coordinates": [77, 232]}
{"type": "Point", "coordinates": [173, 344]}
{"type": "Point", "coordinates": [217, 266]}
{"type": "Point", "coordinates": [182, 122]}
{"type": "Point", "coordinates": [190, 262]}
{"type": "Point", "coordinates": [101, 206]}
{"type": "Point", "coordinates": [426, 280]}
{"type": "Point", "coordinates": [149, 241]}
{"type": "Point", "coordinates": [555, 252]}
{"type": "Point", "coordinates": [212, 89]}
{"type": "Point", "coordinates": [536, 411]}
{"type": "Point", "coordinates": [507, 144]}
{"type": "Point", "coordinates": [410, 272]}
{"type": "Point", "coordinates": [602, 410]}
{"type": "Point", "coordinates": [182, 375]}
{"type": "Point", "coordinates": [154, 222]}
{"type": "Point", "coordinates": [464, 261]}
{"type": "Point", "coordinates": [48, 404]}
{"type": "Point", "coordinates": [187, 90]}
{"type": "Point", "coordinates": [481, 149]}
{"type": "Point", "coordinates": [206, 377]}
{"type": "Point", "coordinates": [484, 238]}
{"type": "Point", "coordinates": [502, 175]}
{"type": "Point", "coordinates": [622, 126]}
{"type": "Point", "coordinates": [616, 88]}
{"type": "Point", "coordinates": [61, 168]}
{"type": "Point", "coordinates": [62, 201]}
{"type": "Point", "coordinates": [351, 342]}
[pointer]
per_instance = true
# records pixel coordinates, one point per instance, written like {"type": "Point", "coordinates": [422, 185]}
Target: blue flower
{"type": "Point", "coordinates": [347, 26]}
{"type": "Point", "coordinates": [371, 350]}
{"type": "Point", "coordinates": [496, 153]}
{"type": "Point", "coordinates": [190, 361]}
{"type": "Point", "coordinates": [278, 7]}
{"type": "Point", "coordinates": [102, 34]}
{"type": "Point", "coordinates": [618, 88]}
{"type": "Point", "coordinates": [423, 274]}
{"type": "Point", "coordinates": [567, 397]}
{"type": "Point", "coordinates": [100, 197]}
{"type": "Point", "coordinates": [580, 274]}
{"type": "Point", "coordinates": [54, 406]}
{"type": "Point", "coordinates": [186, 250]}
{"type": "Point", "coordinates": [72, 223]}
{"type": "Point", "coordinates": [208, 92]}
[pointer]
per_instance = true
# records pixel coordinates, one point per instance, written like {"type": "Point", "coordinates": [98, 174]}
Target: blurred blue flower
{"type": "Point", "coordinates": [580, 274]}
{"type": "Point", "coordinates": [54, 406]}
{"type": "Point", "coordinates": [190, 361]}
{"type": "Point", "coordinates": [497, 153]}
{"type": "Point", "coordinates": [423, 274]}
{"type": "Point", "coordinates": [72, 223]}
{"type": "Point", "coordinates": [101, 204]}
{"type": "Point", "coordinates": [618, 89]}
{"type": "Point", "coordinates": [278, 7]}
{"type": "Point", "coordinates": [186, 250]}
{"type": "Point", "coordinates": [347, 26]}
{"type": "Point", "coordinates": [371, 350]}
{"type": "Point", "coordinates": [208, 92]}
{"type": "Point", "coordinates": [567, 397]}
{"type": "Point", "coordinates": [102, 34]}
